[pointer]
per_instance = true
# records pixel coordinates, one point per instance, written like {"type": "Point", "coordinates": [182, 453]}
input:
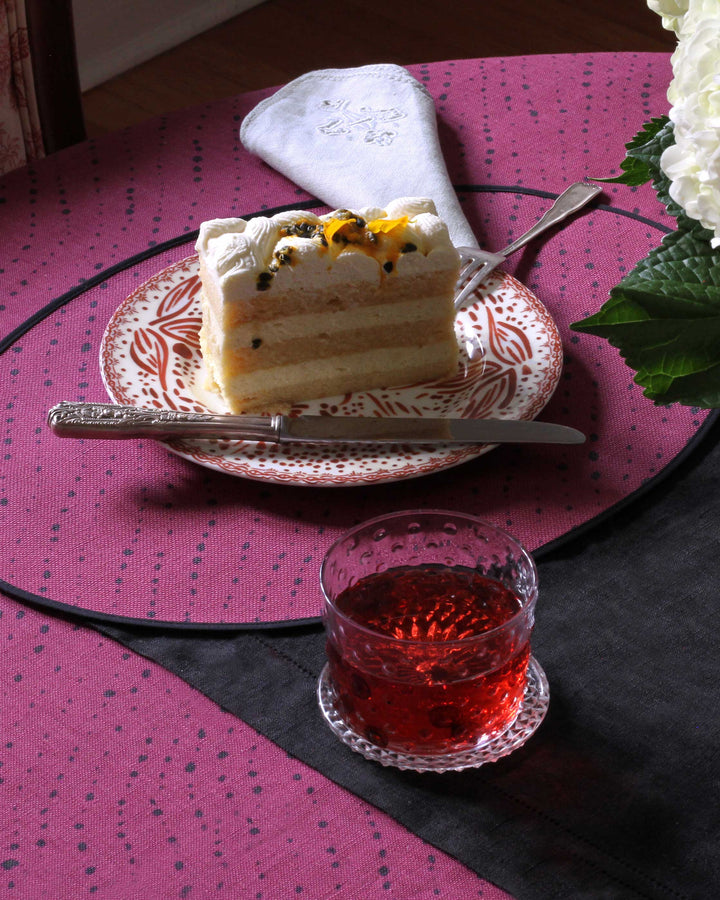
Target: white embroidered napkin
{"type": "Point", "coordinates": [357, 137]}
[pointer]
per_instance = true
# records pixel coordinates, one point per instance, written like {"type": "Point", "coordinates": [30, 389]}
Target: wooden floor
{"type": "Point", "coordinates": [280, 39]}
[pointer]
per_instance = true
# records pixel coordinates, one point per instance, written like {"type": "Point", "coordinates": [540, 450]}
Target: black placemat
{"type": "Point", "coordinates": [617, 794]}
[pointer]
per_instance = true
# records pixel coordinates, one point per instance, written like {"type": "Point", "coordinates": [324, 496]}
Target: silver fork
{"type": "Point", "coordinates": [477, 264]}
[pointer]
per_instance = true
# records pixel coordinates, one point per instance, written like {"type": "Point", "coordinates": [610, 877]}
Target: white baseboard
{"type": "Point", "coordinates": [112, 36]}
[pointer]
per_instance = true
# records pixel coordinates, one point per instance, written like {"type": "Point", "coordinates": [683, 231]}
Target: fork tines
{"type": "Point", "coordinates": [475, 265]}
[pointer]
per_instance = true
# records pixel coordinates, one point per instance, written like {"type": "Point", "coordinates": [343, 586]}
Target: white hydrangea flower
{"type": "Point", "coordinates": [672, 12]}
{"type": "Point", "coordinates": [693, 163]}
{"type": "Point", "coordinates": [698, 11]}
{"type": "Point", "coordinates": [682, 16]}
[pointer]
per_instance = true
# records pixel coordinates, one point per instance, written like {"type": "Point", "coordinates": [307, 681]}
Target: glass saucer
{"type": "Point", "coordinates": [532, 711]}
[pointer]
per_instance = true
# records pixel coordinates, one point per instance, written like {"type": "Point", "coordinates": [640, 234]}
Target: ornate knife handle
{"type": "Point", "coordinates": [109, 420]}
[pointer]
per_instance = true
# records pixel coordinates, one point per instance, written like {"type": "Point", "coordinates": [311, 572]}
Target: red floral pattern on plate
{"type": "Point", "coordinates": [150, 357]}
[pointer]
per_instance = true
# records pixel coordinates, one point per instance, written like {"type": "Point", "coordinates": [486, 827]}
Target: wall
{"type": "Point", "coordinates": [112, 36]}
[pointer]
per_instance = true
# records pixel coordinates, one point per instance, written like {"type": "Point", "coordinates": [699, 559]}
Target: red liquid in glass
{"type": "Point", "coordinates": [420, 683]}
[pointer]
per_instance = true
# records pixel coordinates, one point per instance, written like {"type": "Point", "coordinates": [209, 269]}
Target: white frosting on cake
{"type": "Point", "coordinates": [251, 254]}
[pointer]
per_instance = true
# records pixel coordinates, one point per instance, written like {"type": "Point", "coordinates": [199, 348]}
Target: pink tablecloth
{"type": "Point", "coordinates": [129, 530]}
{"type": "Point", "coordinates": [119, 778]}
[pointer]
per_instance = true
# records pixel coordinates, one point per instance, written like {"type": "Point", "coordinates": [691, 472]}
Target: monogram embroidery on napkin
{"type": "Point", "coordinates": [373, 124]}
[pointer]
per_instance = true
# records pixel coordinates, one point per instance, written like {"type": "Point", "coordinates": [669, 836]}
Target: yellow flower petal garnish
{"type": "Point", "coordinates": [334, 225]}
{"type": "Point", "coordinates": [385, 226]}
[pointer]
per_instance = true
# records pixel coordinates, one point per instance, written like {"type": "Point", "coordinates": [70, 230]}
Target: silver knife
{"type": "Point", "coordinates": [107, 420]}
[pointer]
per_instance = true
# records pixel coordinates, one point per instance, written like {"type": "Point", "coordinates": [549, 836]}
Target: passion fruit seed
{"type": "Point", "coordinates": [263, 281]}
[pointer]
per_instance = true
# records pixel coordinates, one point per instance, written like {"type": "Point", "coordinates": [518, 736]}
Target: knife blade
{"type": "Point", "coordinates": [112, 421]}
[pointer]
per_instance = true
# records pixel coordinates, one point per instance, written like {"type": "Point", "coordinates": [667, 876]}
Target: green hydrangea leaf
{"type": "Point", "coordinates": [664, 318]}
{"type": "Point", "coordinates": [684, 262]}
{"type": "Point", "coordinates": [641, 163]}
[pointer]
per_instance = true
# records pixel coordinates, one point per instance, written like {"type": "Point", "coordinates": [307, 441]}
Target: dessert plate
{"type": "Point", "coordinates": [510, 363]}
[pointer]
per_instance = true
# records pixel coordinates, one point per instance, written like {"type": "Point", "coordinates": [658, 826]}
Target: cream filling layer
{"type": "Point", "coordinates": [334, 323]}
{"type": "Point", "coordinates": [385, 367]}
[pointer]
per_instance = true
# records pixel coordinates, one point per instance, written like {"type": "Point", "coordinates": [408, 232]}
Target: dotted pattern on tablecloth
{"type": "Point", "coordinates": [119, 780]}
{"type": "Point", "coordinates": [127, 529]}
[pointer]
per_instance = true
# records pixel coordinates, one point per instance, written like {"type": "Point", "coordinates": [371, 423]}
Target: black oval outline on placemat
{"type": "Point", "coordinates": [84, 615]}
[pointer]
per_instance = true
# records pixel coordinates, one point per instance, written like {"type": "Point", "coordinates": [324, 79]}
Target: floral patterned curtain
{"type": "Point", "coordinates": [20, 132]}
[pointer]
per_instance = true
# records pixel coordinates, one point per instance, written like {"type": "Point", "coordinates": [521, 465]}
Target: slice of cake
{"type": "Point", "coordinates": [298, 306]}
